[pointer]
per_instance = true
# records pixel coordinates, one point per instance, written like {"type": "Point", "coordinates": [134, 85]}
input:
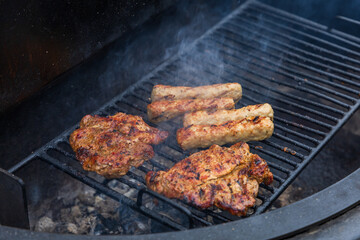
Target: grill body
{"type": "Point", "coordinates": [309, 75]}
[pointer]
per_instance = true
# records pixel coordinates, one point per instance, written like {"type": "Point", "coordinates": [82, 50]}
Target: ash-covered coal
{"type": "Point", "coordinates": [85, 211]}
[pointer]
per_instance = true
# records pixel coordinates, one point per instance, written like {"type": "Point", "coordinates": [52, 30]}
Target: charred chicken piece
{"type": "Point", "coordinates": [225, 90]}
{"type": "Point", "coordinates": [228, 178]}
{"type": "Point", "coordinates": [165, 110]}
{"type": "Point", "coordinates": [247, 129]}
{"type": "Point", "coordinates": [111, 145]}
{"type": "Point", "coordinates": [222, 116]}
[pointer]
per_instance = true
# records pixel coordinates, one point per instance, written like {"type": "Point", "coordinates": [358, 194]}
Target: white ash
{"type": "Point", "coordinates": [79, 209]}
{"type": "Point", "coordinates": [45, 224]}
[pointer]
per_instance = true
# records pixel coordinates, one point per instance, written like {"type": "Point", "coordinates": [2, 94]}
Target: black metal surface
{"type": "Point", "coordinates": [13, 205]}
{"type": "Point", "coordinates": [310, 78]}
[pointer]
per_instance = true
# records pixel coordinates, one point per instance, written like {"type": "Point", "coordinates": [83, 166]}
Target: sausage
{"type": "Point", "coordinates": [165, 110]}
{"type": "Point", "coordinates": [221, 116]}
{"type": "Point", "coordinates": [247, 129]}
{"type": "Point", "coordinates": [226, 90]}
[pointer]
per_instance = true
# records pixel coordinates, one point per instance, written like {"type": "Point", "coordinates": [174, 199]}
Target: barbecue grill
{"type": "Point", "coordinates": [306, 71]}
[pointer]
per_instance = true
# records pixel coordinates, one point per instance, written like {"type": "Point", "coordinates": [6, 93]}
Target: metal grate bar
{"type": "Point", "coordinates": [298, 64]}
{"type": "Point", "coordinates": [283, 16]}
{"type": "Point", "coordinates": [269, 33]}
{"type": "Point", "coordinates": [272, 154]}
{"type": "Point", "coordinates": [313, 140]}
{"type": "Point", "coordinates": [308, 44]}
{"type": "Point", "coordinates": [290, 76]}
{"type": "Point", "coordinates": [289, 140]}
{"type": "Point", "coordinates": [313, 37]}
{"type": "Point", "coordinates": [283, 148]}
{"type": "Point", "coordinates": [305, 44]}
{"type": "Point", "coordinates": [300, 126]}
{"type": "Point", "coordinates": [293, 78]}
{"type": "Point", "coordinates": [291, 53]}
{"type": "Point", "coordinates": [280, 168]}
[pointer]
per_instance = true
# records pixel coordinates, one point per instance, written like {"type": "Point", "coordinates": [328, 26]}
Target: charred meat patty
{"type": "Point", "coordinates": [111, 145]}
{"type": "Point", "coordinates": [228, 178]}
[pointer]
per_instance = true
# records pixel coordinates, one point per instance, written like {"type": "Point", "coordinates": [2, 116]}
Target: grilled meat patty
{"type": "Point", "coordinates": [226, 90]}
{"type": "Point", "coordinates": [111, 145]}
{"type": "Point", "coordinates": [165, 110]}
{"type": "Point", "coordinates": [228, 178]}
{"type": "Point", "coordinates": [247, 129]}
{"type": "Point", "coordinates": [221, 116]}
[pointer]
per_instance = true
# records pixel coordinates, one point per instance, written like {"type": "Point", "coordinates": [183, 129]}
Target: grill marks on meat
{"type": "Point", "coordinates": [225, 177]}
{"type": "Point", "coordinates": [222, 90]}
{"type": "Point", "coordinates": [247, 129]}
{"type": "Point", "coordinates": [165, 110]}
{"type": "Point", "coordinates": [222, 116]}
{"type": "Point", "coordinates": [111, 145]}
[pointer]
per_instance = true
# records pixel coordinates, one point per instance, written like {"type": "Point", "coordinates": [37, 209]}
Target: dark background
{"type": "Point", "coordinates": [42, 39]}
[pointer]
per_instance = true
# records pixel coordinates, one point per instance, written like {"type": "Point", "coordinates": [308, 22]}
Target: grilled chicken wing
{"type": "Point", "coordinates": [111, 145]}
{"type": "Point", "coordinates": [225, 177]}
{"type": "Point", "coordinates": [165, 110]}
{"type": "Point", "coordinates": [226, 90]}
{"type": "Point", "coordinates": [247, 129]}
{"type": "Point", "coordinates": [222, 116]}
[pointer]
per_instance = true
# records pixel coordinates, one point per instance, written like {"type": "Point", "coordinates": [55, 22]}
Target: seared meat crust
{"type": "Point", "coordinates": [225, 177]}
{"type": "Point", "coordinates": [247, 129]}
{"type": "Point", "coordinates": [221, 116]}
{"type": "Point", "coordinates": [226, 90]}
{"type": "Point", "coordinates": [111, 145]}
{"type": "Point", "coordinates": [129, 125]}
{"type": "Point", "coordinates": [165, 110]}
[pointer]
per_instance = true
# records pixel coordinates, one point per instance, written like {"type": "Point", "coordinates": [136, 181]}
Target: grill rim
{"type": "Point", "coordinates": [314, 152]}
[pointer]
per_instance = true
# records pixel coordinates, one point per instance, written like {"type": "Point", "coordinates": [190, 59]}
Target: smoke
{"type": "Point", "coordinates": [169, 35]}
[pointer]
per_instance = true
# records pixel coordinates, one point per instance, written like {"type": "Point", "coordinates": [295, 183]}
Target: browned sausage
{"type": "Point", "coordinates": [165, 110]}
{"type": "Point", "coordinates": [226, 90]}
{"type": "Point", "coordinates": [247, 129]}
{"type": "Point", "coordinates": [221, 116]}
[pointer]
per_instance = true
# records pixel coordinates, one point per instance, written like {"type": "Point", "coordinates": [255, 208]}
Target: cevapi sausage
{"type": "Point", "coordinates": [226, 90]}
{"type": "Point", "coordinates": [247, 129]}
{"type": "Point", "coordinates": [221, 116]}
{"type": "Point", "coordinates": [165, 110]}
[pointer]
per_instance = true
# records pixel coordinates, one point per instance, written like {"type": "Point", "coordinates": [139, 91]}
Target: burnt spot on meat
{"type": "Point", "coordinates": [132, 130]}
{"type": "Point", "coordinates": [231, 191]}
{"type": "Point", "coordinates": [201, 193]}
{"type": "Point", "coordinates": [186, 128]}
{"type": "Point", "coordinates": [169, 97]}
{"type": "Point", "coordinates": [152, 176]}
{"type": "Point", "coordinates": [158, 117]}
{"type": "Point", "coordinates": [211, 111]}
{"type": "Point", "coordinates": [225, 124]}
{"type": "Point", "coordinates": [257, 106]}
{"type": "Point", "coordinates": [197, 176]}
{"type": "Point", "coordinates": [255, 119]}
